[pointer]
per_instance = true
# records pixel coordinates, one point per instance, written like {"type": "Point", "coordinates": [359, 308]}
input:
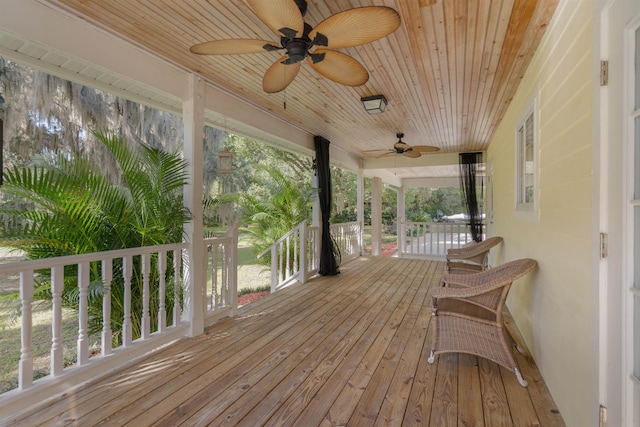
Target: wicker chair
{"type": "Point", "coordinates": [467, 314]}
{"type": "Point", "coordinates": [471, 258]}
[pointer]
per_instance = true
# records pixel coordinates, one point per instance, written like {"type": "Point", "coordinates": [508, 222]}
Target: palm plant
{"type": "Point", "coordinates": [76, 209]}
{"type": "Point", "coordinates": [287, 204]}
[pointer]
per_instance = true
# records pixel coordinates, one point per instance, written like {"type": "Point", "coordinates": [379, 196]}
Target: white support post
{"type": "Point", "coordinates": [376, 216]}
{"type": "Point", "coordinates": [360, 206]}
{"type": "Point", "coordinates": [400, 219]}
{"type": "Point", "coordinates": [193, 117]}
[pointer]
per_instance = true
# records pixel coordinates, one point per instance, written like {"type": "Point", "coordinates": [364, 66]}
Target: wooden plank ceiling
{"type": "Point", "coordinates": [449, 71]}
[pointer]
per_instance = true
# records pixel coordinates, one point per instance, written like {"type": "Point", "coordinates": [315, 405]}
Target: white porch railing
{"type": "Point", "coordinates": [348, 238]}
{"type": "Point", "coordinates": [431, 239]}
{"type": "Point", "coordinates": [294, 256]}
{"type": "Point", "coordinates": [221, 289]}
{"type": "Point", "coordinates": [161, 287]}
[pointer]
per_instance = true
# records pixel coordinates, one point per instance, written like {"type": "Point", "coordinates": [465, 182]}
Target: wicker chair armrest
{"type": "Point", "coordinates": [465, 252]}
{"type": "Point", "coordinates": [474, 250]}
{"type": "Point", "coordinates": [466, 291]}
{"type": "Point", "coordinates": [464, 279]}
{"type": "Point", "coordinates": [468, 285]}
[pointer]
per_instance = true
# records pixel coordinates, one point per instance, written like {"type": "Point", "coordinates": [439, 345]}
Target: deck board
{"type": "Point", "coordinates": [342, 350]}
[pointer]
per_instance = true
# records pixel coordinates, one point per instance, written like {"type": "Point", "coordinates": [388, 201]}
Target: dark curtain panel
{"type": "Point", "coordinates": [328, 264]}
{"type": "Point", "coordinates": [469, 187]}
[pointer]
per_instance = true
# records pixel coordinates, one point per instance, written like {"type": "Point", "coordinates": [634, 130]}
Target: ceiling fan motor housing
{"type": "Point", "coordinates": [297, 49]}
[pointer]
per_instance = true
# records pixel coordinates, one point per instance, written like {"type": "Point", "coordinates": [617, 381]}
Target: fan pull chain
{"type": "Point", "coordinates": [284, 102]}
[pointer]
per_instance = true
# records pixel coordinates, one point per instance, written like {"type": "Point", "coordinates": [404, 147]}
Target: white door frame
{"type": "Point", "coordinates": [613, 162]}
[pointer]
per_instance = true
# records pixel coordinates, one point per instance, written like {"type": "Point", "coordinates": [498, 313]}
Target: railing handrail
{"type": "Point", "coordinates": [38, 264]}
{"type": "Point", "coordinates": [283, 238]}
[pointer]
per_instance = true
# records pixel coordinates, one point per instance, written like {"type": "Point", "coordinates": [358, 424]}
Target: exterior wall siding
{"type": "Point", "coordinates": [554, 308]}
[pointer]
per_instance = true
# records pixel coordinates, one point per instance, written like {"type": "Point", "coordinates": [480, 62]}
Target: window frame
{"type": "Point", "coordinates": [527, 209]}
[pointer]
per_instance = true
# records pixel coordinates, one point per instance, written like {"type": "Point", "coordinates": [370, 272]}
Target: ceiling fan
{"type": "Point", "coordinates": [298, 39]}
{"type": "Point", "coordinates": [405, 149]}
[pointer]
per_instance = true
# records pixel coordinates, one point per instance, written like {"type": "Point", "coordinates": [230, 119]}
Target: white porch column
{"type": "Point", "coordinates": [400, 219]}
{"type": "Point", "coordinates": [360, 204]}
{"type": "Point", "coordinates": [376, 216]}
{"type": "Point", "coordinates": [193, 116]}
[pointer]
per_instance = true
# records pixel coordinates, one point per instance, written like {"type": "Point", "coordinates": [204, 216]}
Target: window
{"type": "Point", "coordinates": [527, 159]}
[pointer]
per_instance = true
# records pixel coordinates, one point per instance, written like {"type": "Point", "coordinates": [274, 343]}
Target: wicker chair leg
{"type": "Point", "coordinates": [521, 380]}
{"type": "Point", "coordinates": [431, 358]}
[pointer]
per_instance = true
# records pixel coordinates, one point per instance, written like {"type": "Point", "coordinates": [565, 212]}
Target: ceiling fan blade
{"type": "Point", "coordinates": [357, 26]}
{"type": "Point", "coordinates": [339, 67]}
{"type": "Point", "coordinates": [279, 14]}
{"type": "Point", "coordinates": [232, 46]}
{"type": "Point", "coordinates": [425, 148]}
{"type": "Point", "coordinates": [412, 154]}
{"type": "Point", "coordinates": [279, 75]}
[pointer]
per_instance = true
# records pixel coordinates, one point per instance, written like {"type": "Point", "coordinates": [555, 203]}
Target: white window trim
{"type": "Point", "coordinates": [528, 211]}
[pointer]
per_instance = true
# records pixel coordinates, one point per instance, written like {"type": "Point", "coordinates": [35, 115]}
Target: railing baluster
{"type": "Point", "coordinates": [177, 285]}
{"type": "Point", "coordinates": [107, 277]}
{"type": "Point", "coordinates": [298, 236]}
{"type": "Point", "coordinates": [126, 321]}
{"type": "Point", "coordinates": [288, 256]}
{"type": "Point", "coordinates": [224, 289]}
{"type": "Point", "coordinates": [214, 276]}
{"type": "Point", "coordinates": [57, 286]}
{"type": "Point", "coordinates": [162, 307]}
{"type": "Point", "coordinates": [281, 269]}
{"type": "Point", "coordinates": [274, 268]}
{"type": "Point", "coordinates": [145, 322]}
{"type": "Point", "coordinates": [25, 379]}
{"type": "Point", "coordinates": [83, 313]}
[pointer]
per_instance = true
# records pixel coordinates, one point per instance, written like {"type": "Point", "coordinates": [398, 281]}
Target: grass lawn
{"type": "Point", "coordinates": [251, 274]}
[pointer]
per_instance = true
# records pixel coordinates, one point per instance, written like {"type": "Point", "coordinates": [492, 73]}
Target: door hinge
{"type": "Point", "coordinates": [603, 416]}
{"type": "Point", "coordinates": [604, 73]}
{"type": "Point", "coordinates": [604, 245]}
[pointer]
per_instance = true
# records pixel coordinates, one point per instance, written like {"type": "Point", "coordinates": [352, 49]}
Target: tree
{"type": "Point", "coordinates": [423, 204]}
{"type": "Point", "coordinates": [76, 209]}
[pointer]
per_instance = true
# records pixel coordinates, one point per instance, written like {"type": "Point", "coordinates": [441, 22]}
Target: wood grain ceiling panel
{"type": "Point", "coordinates": [449, 71]}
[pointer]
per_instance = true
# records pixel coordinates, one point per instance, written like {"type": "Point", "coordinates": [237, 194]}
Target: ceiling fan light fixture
{"type": "Point", "coordinates": [374, 104]}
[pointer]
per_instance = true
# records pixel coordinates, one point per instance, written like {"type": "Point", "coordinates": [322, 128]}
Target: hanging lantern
{"type": "Point", "coordinates": [225, 162]}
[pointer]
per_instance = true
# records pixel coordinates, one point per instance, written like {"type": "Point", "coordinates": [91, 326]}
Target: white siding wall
{"type": "Point", "coordinates": [554, 309]}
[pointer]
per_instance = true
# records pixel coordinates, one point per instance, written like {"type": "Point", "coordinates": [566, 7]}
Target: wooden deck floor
{"type": "Point", "coordinates": [344, 350]}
